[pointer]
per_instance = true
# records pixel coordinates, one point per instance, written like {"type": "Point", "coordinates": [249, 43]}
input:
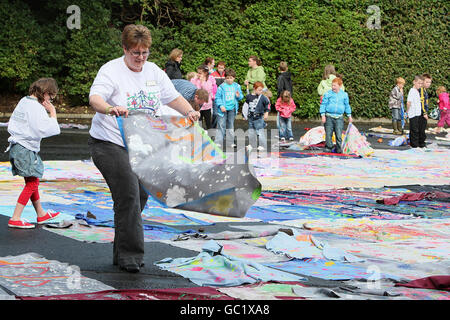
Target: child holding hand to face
{"type": "Point", "coordinates": [28, 125]}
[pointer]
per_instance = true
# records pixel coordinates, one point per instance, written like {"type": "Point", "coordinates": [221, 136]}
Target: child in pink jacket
{"type": "Point", "coordinates": [444, 108]}
{"type": "Point", "coordinates": [285, 106]}
{"type": "Point", "coordinates": [204, 81]}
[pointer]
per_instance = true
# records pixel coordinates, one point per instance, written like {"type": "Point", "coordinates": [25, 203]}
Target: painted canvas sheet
{"type": "Point", "coordinates": [215, 268]}
{"type": "Point", "coordinates": [263, 291]}
{"type": "Point", "coordinates": [407, 251]}
{"type": "Point", "coordinates": [385, 166]}
{"type": "Point", "coordinates": [329, 270]}
{"type": "Point", "coordinates": [32, 275]}
{"type": "Point", "coordinates": [232, 248]}
{"type": "Point", "coordinates": [355, 143]}
{"type": "Point", "coordinates": [180, 166]}
{"type": "Point", "coordinates": [196, 293]}
{"type": "Point", "coordinates": [94, 234]}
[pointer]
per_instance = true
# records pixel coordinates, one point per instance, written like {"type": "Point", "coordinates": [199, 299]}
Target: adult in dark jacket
{"type": "Point", "coordinates": [173, 66]}
{"type": "Point", "coordinates": [284, 81]}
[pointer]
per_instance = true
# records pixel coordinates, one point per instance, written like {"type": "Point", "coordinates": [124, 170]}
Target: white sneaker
{"type": "Point", "coordinates": [260, 148]}
{"type": "Point", "coordinates": [233, 145]}
{"type": "Point", "coordinates": [282, 140]}
{"type": "Point", "coordinates": [291, 139]}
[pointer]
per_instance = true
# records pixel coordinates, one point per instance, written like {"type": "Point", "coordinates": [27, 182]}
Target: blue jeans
{"type": "Point", "coordinates": [336, 126]}
{"type": "Point", "coordinates": [256, 130]}
{"type": "Point", "coordinates": [285, 128]}
{"type": "Point", "coordinates": [225, 125]}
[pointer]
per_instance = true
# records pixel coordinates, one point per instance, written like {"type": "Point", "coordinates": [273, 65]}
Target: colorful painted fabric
{"type": "Point", "coordinates": [433, 282]}
{"type": "Point", "coordinates": [93, 234]}
{"type": "Point", "coordinates": [329, 270]}
{"type": "Point", "coordinates": [416, 197]}
{"type": "Point", "coordinates": [301, 246]}
{"type": "Point", "coordinates": [212, 268]}
{"type": "Point", "coordinates": [355, 143]}
{"type": "Point", "coordinates": [196, 293]}
{"type": "Point", "coordinates": [263, 291]}
{"type": "Point", "coordinates": [32, 275]}
{"type": "Point", "coordinates": [180, 166]}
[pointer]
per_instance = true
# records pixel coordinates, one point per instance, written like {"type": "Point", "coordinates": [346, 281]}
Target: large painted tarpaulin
{"type": "Point", "coordinates": [355, 142]}
{"type": "Point", "coordinates": [180, 166]}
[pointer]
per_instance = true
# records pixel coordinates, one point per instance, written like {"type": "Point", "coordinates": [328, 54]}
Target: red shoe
{"type": "Point", "coordinates": [20, 224]}
{"type": "Point", "coordinates": [48, 216]}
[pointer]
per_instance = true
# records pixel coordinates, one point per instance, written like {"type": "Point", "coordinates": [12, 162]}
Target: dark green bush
{"type": "Point", "coordinates": [308, 34]}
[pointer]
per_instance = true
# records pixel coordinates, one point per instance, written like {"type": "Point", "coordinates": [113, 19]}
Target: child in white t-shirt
{"type": "Point", "coordinates": [414, 110]}
{"type": "Point", "coordinates": [28, 125]}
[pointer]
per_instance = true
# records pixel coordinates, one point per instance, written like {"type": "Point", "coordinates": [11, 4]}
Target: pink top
{"type": "Point", "coordinates": [210, 86]}
{"type": "Point", "coordinates": [443, 101]}
{"type": "Point", "coordinates": [284, 109]}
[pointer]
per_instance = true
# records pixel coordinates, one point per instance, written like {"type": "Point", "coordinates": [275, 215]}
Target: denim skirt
{"type": "Point", "coordinates": [24, 162]}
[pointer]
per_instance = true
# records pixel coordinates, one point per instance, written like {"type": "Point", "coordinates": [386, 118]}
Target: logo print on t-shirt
{"type": "Point", "coordinates": [148, 102]}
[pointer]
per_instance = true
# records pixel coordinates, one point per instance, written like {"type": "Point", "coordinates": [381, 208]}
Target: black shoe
{"type": "Point", "coordinates": [132, 268]}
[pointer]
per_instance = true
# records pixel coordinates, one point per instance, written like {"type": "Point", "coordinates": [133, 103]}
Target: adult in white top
{"type": "Point", "coordinates": [126, 83]}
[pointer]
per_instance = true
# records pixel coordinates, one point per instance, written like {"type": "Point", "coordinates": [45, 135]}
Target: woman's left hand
{"type": "Point", "coordinates": [118, 111]}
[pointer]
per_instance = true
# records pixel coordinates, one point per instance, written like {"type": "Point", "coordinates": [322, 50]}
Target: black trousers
{"type": "Point", "coordinates": [205, 114]}
{"type": "Point", "coordinates": [417, 136]}
{"type": "Point", "coordinates": [129, 199]}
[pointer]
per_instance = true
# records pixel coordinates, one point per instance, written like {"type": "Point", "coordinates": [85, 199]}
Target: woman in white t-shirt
{"type": "Point", "coordinates": [128, 83]}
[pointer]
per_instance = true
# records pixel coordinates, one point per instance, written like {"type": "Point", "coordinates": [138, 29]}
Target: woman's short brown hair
{"type": "Point", "coordinates": [43, 86]}
{"type": "Point", "coordinates": [175, 53]}
{"type": "Point", "coordinates": [136, 36]}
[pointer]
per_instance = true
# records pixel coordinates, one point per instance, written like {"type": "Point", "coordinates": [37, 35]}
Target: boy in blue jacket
{"type": "Point", "coordinates": [334, 104]}
{"type": "Point", "coordinates": [227, 100]}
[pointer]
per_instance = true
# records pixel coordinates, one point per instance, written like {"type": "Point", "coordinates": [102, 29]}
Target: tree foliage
{"type": "Point", "coordinates": [412, 38]}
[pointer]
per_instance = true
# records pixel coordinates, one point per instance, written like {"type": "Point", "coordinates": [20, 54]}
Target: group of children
{"type": "Point", "coordinates": [225, 94]}
{"type": "Point", "coordinates": [418, 108]}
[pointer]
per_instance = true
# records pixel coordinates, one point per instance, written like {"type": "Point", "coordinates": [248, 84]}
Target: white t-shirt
{"type": "Point", "coordinates": [119, 86]}
{"type": "Point", "coordinates": [414, 98]}
{"type": "Point", "coordinates": [30, 123]}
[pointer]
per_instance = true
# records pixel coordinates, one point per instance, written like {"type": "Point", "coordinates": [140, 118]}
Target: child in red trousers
{"type": "Point", "coordinates": [29, 123]}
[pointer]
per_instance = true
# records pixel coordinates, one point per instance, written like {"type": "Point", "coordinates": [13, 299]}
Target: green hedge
{"type": "Point", "coordinates": [413, 39]}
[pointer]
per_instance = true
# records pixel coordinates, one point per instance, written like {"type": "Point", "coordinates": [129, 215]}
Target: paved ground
{"type": "Point", "coordinates": [94, 259]}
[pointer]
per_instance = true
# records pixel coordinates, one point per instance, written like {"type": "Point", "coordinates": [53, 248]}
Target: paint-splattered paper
{"type": "Point", "coordinates": [180, 166]}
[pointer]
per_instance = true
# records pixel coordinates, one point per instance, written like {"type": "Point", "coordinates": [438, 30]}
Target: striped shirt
{"type": "Point", "coordinates": [186, 88]}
